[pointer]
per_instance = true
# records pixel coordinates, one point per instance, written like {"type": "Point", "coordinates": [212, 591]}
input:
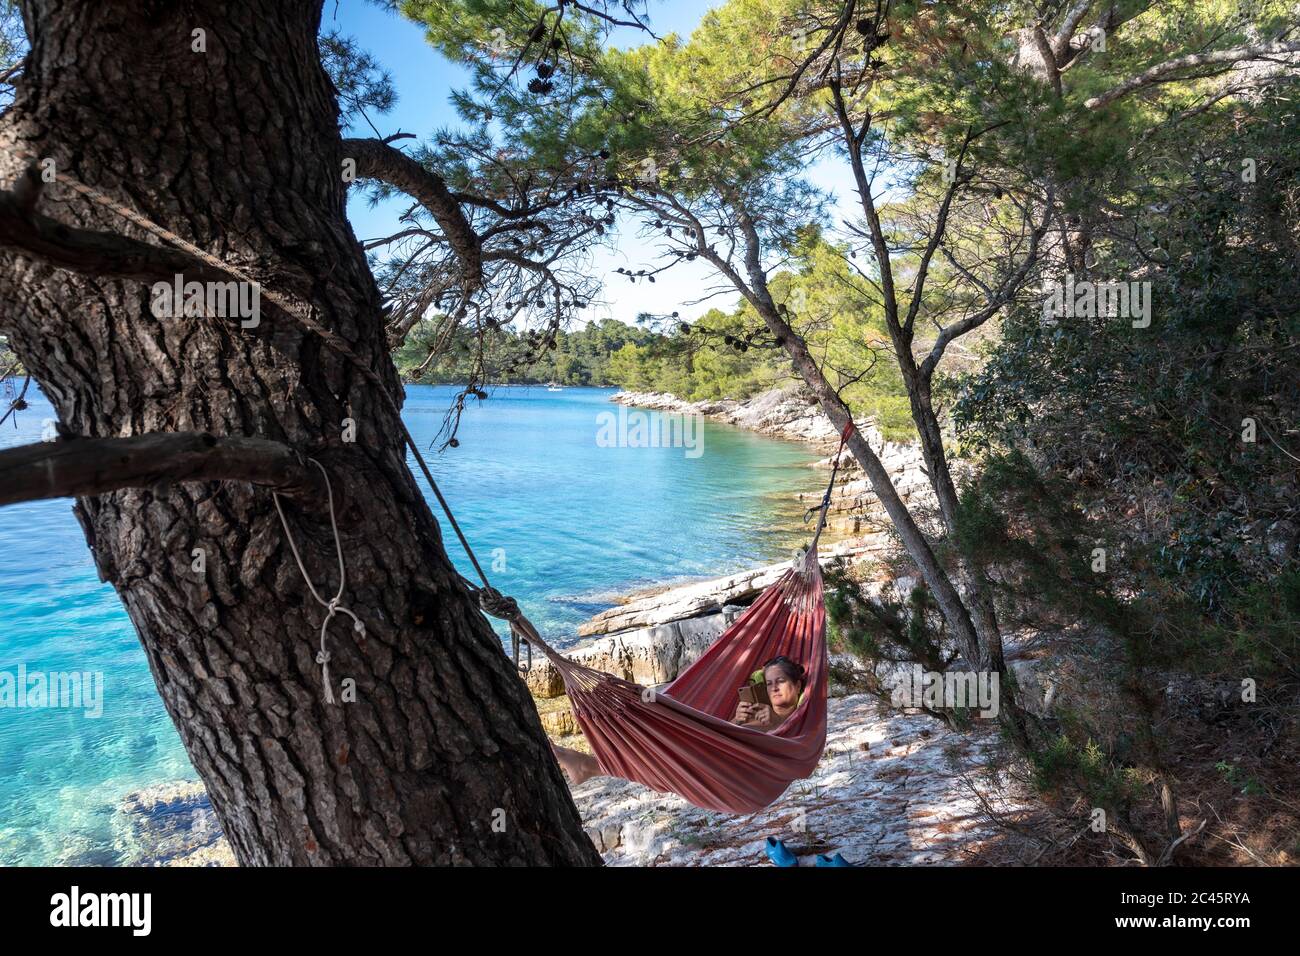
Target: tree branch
{"type": "Point", "coordinates": [1161, 71]}
{"type": "Point", "coordinates": [940, 228]}
{"type": "Point", "coordinates": [853, 141]}
{"type": "Point", "coordinates": [94, 466]}
{"type": "Point", "coordinates": [1004, 294]}
{"type": "Point", "coordinates": [1061, 43]}
{"type": "Point", "coordinates": [1048, 56]}
{"type": "Point", "coordinates": [18, 403]}
{"type": "Point", "coordinates": [377, 160]}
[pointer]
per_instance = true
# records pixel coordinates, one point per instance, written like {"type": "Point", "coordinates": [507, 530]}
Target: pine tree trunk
{"type": "Point", "coordinates": [441, 758]}
{"type": "Point", "coordinates": [974, 578]}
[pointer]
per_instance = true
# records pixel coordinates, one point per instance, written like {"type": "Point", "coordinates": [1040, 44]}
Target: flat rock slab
{"type": "Point", "coordinates": [702, 597]}
{"type": "Point", "coordinates": [646, 656]}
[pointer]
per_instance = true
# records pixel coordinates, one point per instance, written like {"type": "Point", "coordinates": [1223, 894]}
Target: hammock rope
{"type": "Point", "coordinates": [333, 606]}
{"type": "Point", "coordinates": [679, 740]}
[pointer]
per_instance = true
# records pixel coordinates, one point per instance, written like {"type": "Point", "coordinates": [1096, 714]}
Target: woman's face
{"type": "Point", "coordinates": [781, 691]}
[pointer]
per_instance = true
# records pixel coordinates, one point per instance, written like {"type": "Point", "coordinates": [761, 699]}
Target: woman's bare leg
{"type": "Point", "coordinates": [577, 765]}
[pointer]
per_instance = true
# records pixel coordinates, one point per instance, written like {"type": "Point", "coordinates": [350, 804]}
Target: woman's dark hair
{"type": "Point", "coordinates": [791, 669]}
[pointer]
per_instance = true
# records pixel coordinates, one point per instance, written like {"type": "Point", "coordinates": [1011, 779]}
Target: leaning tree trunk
{"type": "Point", "coordinates": [973, 576]}
{"type": "Point", "coordinates": [441, 757]}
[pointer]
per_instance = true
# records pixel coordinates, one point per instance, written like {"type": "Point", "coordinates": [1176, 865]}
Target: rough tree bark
{"type": "Point", "coordinates": [236, 149]}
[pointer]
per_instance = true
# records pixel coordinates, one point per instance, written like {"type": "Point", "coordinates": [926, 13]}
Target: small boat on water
{"type": "Point", "coordinates": [552, 387]}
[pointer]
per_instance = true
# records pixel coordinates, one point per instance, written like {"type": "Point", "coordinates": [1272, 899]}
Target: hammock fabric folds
{"type": "Point", "coordinates": [681, 739]}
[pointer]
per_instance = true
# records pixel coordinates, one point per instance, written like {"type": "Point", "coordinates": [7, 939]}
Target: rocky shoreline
{"type": "Point", "coordinates": [787, 413]}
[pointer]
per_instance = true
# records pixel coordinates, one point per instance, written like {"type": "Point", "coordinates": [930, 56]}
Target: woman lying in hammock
{"type": "Point", "coordinates": [785, 681]}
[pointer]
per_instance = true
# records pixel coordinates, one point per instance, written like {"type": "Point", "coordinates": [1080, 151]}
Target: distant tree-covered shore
{"type": "Point", "coordinates": [722, 354]}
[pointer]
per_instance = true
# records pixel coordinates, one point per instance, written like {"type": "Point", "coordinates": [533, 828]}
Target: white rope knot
{"type": "Point", "coordinates": [334, 605]}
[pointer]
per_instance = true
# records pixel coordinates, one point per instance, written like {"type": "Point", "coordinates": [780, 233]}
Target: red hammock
{"type": "Point", "coordinates": [681, 740]}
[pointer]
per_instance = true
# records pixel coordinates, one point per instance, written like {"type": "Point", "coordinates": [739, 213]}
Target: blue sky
{"type": "Point", "coordinates": [424, 79]}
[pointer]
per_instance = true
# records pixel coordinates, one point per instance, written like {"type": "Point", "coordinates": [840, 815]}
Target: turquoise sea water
{"type": "Point", "coordinates": [560, 520]}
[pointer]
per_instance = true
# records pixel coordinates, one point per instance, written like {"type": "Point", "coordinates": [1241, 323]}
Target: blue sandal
{"type": "Point", "coordinates": [780, 854]}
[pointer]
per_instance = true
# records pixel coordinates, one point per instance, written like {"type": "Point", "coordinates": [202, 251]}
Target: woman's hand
{"type": "Point", "coordinates": [752, 715]}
